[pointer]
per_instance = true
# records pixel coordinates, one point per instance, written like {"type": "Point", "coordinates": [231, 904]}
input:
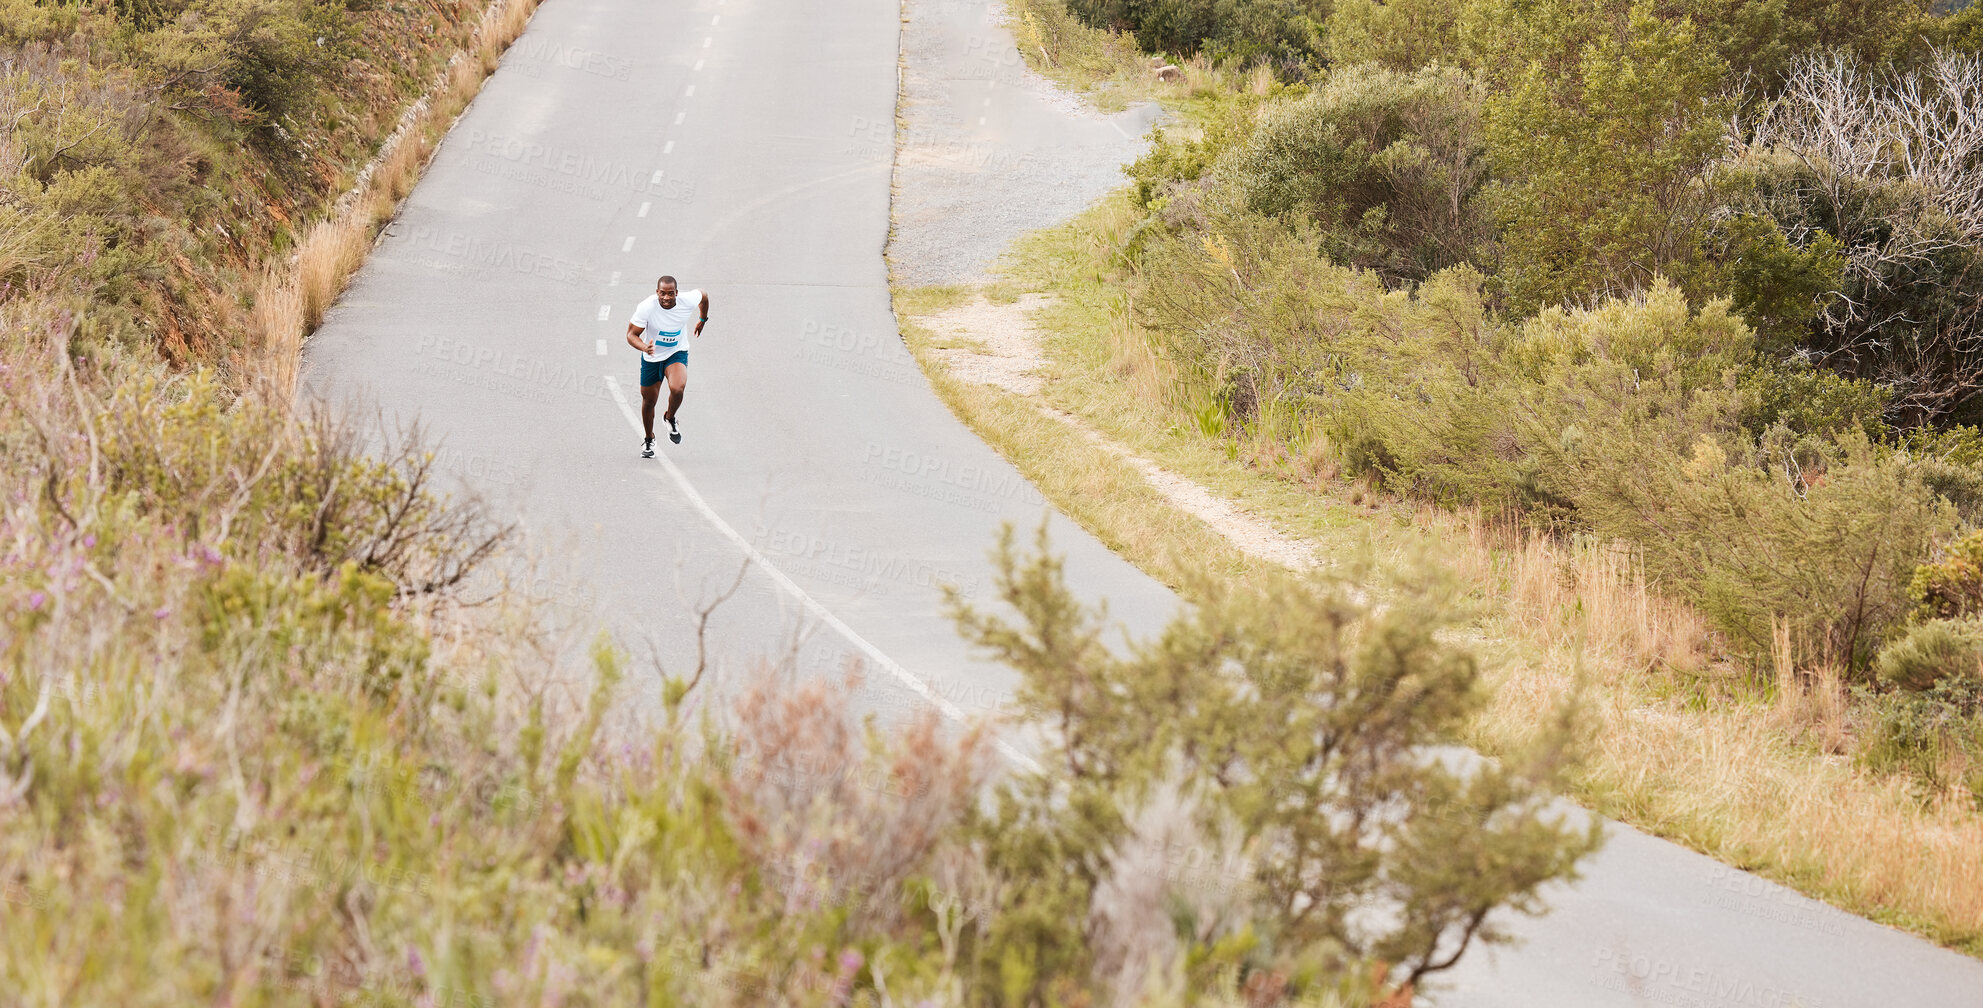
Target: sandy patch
{"type": "Point", "coordinates": [1010, 355]}
{"type": "Point", "coordinates": [1005, 352]}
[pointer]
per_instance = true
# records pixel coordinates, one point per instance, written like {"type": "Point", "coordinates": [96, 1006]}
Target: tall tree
{"type": "Point", "coordinates": [1603, 168]}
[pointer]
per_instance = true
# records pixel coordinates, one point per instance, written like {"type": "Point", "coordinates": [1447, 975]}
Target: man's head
{"type": "Point", "coordinates": [664, 289]}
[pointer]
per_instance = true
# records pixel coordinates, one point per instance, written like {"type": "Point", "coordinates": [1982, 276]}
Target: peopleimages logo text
{"type": "Point", "coordinates": [481, 254]}
{"type": "Point", "coordinates": [605, 172]}
{"type": "Point", "coordinates": [590, 61]}
{"type": "Point", "coordinates": [937, 469]}
{"type": "Point", "coordinates": [527, 370]}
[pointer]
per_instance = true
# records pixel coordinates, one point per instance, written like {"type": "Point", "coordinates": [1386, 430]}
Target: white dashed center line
{"type": "Point", "coordinates": [715, 20]}
{"type": "Point", "coordinates": [690, 93]}
{"type": "Point", "coordinates": [880, 659]}
{"type": "Point", "coordinates": [698, 66]}
{"type": "Point", "coordinates": [627, 246]}
{"type": "Point", "coordinates": [656, 180]}
{"type": "Point", "coordinates": [668, 148]}
{"type": "Point", "coordinates": [602, 347]}
{"type": "Point", "coordinates": [679, 116]}
{"type": "Point", "coordinates": [705, 42]}
{"type": "Point", "coordinates": [644, 207]}
{"type": "Point", "coordinates": [614, 280]}
{"type": "Point", "coordinates": [605, 312]}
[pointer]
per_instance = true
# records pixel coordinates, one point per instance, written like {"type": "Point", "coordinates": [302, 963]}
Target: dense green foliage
{"type": "Point", "coordinates": [1282, 33]}
{"type": "Point", "coordinates": [1277, 733]}
{"type": "Point", "coordinates": [1701, 276]}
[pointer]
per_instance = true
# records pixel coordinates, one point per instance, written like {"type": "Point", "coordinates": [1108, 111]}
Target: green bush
{"type": "Point", "coordinates": [1399, 34]}
{"type": "Point", "coordinates": [1175, 157]}
{"type": "Point", "coordinates": [1385, 164]}
{"type": "Point", "coordinates": [1930, 652]}
{"type": "Point", "coordinates": [1285, 34]}
{"type": "Point", "coordinates": [1963, 30]}
{"type": "Point", "coordinates": [1811, 401]}
{"type": "Point", "coordinates": [1297, 721]}
{"type": "Point", "coordinates": [1951, 587]}
{"type": "Point", "coordinates": [1824, 541]}
{"type": "Point", "coordinates": [1600, 168]}
{"type": "Point", "coordinates": [1632, 419]}
{"type": "Point", "coordinates": [1778, 286]}
{"type": "Point", "coordinates": [1934, 735]}
{"type": "Point", "coordinates": [267, 55]}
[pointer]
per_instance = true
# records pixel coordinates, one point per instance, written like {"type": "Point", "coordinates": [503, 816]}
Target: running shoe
{"type": "Point", "coordinates": [674, 432]}
{"type": "Point", "coordinates": [647, 447]}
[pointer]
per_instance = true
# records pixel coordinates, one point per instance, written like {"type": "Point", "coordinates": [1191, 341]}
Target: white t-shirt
{"type": "Point", "coordinates": [668, 328]}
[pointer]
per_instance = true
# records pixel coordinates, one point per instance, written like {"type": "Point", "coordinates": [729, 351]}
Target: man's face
{"type": "Point", "coordinates": [666, 292]}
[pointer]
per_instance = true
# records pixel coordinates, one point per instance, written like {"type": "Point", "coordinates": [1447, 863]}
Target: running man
{"type": "Point", "coordinates": [657, 332]}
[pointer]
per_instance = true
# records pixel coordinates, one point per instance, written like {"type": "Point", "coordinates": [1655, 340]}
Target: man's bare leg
{"type": "Point", "coordinates": [649, 395]}
{"type": "Point", "coordinates": [678, 383]}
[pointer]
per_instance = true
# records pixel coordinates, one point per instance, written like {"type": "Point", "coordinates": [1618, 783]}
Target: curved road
{"type": "Point", "coordinates": [745, 146]}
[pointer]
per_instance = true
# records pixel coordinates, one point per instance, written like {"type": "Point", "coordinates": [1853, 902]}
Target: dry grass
{"type": "Point", "coordinates": [1562, 593]}
{"type": "Point", "coordinates": [1736, 784]}
{"type": "Point", "coordinates": [1146, 373]}
{"type": "Point", "coordinates": [333, 251]}
{"type": "Point", "coordinates": [1690, 750]}
{"type": "Point", "coordinates": [292, 300]}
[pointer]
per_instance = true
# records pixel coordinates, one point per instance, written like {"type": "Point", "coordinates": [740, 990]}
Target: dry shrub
{"type": "Point", "coordinates": [1810, 702]}
{"type": "Point", "coordinates": [1575, 592]}
{"type": "Point", "coordinates": [1316, 459]}
{"type": "Point", "coordinates": [268, 365]}
{"type": "Point", "coordinates": [501, 25]}
{"type": "Point", "coordinates": [823, 803]}
{"type": "Point", "coordinates": [1167, 875]}
{"type": "Point", "coordinates": [331, 252]}
{"type": "Point", "coordinates": [401, 168]}
{"type": "Point", "coordinates": [1131, 358]}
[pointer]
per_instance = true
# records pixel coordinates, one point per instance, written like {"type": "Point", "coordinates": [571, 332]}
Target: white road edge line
{"type": "Point", "coordinates": [812, 605]}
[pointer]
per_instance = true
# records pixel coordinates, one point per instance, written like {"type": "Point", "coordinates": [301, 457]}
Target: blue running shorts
{"type": "Point", "coordinates": [652, 371]}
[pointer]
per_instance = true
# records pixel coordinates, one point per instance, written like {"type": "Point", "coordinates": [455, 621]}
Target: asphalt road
{"type": "Point", "coordinates": [744, 146]}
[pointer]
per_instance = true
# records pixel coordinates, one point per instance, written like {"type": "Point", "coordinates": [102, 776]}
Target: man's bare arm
{"type": "Point", "coordinates": [703, 315]}
{"type": "Point", "coordinates": [634, 340]}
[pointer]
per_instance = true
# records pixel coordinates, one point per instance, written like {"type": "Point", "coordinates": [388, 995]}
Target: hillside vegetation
{"type": "Point", "coordinates": [276, 728]}
{"type": "Point", "coordinates": [1673, 305]}
{"type": "Point", "coordinates": [1676, 275]}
